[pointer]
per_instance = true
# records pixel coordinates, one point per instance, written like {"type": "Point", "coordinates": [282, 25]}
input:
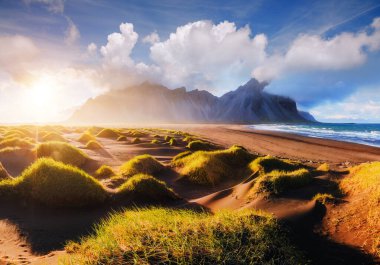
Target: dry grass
{"type": "Point", "coordinates": [136, 140]}
{"type": "Point", "coordinates": [104, 172]}
{"type": "Point", "coordinates": [163, 236]}
{"type": "Point", "coordinates": [63, 152]}
{"type": "Point", "coordinates": [108, 133]}
{"type": "Point", "coordinates": [86, 137]}
{"type": "Point", "coordinates": [277, 182]}
{"type": "Point", "coordinates": [143, 187]}
{"type": "Point", "coordinates": [55, 184]}
{"type": "Point", "coordinates": [363, 184]}
{"type": "Point", "coordinates": [94, 145]}
{"type": "Point", "coordinates": [199, 145]}
{"type": "Point", "coordinates": [268, 163]}
{"type": "Point", "coordinates": [145, 164]}
{"type": "Point", "coordinates": [211, 167]}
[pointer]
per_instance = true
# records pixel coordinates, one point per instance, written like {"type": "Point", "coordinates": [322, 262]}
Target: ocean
{"type": "Point", "coordinates": [368, 134]}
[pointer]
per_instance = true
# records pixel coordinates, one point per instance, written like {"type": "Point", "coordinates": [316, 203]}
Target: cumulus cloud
{"type": "Point", "coordinates": [72, 33]}
{"type": "Point", "coordinates": [313, 52]}
{"type": "Point", "coordinates": [54, 6]}
{"type": "Point", "coordinates": [152, 38]}
{"type": "Point", "coordinates": [206, 55]}
{"type": "Point", "coordinates": [118, 49]}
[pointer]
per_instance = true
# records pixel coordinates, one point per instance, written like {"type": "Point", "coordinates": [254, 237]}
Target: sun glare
{"type": "Point", "coordinates": [40, 98]}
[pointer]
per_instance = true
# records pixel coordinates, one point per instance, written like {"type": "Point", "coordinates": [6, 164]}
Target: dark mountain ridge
{"type": "Point", "coordinates": [155, 103]}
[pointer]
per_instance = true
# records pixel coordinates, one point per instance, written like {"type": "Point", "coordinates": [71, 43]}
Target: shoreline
{"type": "Point", "coordinates": [284, 144]}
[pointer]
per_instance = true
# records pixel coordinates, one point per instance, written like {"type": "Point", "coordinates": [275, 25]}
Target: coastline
{"type": "Point", "coordinates": [284, 144]}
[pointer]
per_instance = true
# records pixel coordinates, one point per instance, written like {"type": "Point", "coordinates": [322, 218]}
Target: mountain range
{"type": "Point", "coordinates": [155, 103]}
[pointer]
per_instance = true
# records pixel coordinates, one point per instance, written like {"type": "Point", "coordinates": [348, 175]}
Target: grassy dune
{"type": "Point", "coordinates": [163, 236]}
{"type": "Point", "coordinates": [146, 188]}
{"type": "Point", "coordinates": [55, 184]}
{"type": "Point", "coordinates": [104, 172]}
{"type": "Point", "coordinates": [63, 152]}
{"type": "Point", "coordinates": [211, 167]}
{"type": "Point", "coordinates": [145, 164]}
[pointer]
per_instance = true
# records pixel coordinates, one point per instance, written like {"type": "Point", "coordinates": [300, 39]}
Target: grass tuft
{"type": "Point", "coordinates": [277, 182]}
{"type": "Point", "coordinates": [62, 152]}
{"type": "Point", "coordinates": [146, 188]}
{"type": "Point", "coordinates": [17, 142]}
{"type": "Point", "coordinates": [210, 167]}
{"type": "Point", "coordinates": [55, 184]}
{"type": "Point", "coordinates": [164, 236]}
{"type": "Point", "coordinates": [268, 163]}
{"type": "Point", "coordinates": [94, 145]}
{"type": "Point", "coordinates": [199, 145]}
{"type": "Point", "coordinates": [86, 137]}
{"type": "Point", "coordinates": [145, 164]}
{"type": "Point", "coordinates": [104, 172]}
{"type": "Point", "coordinates": [324, 167]}
{"type": "Point", "coordinates": [108, 133]}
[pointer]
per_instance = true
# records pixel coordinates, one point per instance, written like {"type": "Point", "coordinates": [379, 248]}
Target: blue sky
{"type": "Point", "coordinates": [268, 37]}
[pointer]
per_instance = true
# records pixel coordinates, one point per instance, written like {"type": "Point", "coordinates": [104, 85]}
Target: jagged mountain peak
{"type": "Point", "coordinates": [150, 102]}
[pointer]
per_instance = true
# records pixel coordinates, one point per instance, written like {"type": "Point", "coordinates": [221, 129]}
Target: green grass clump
{"type": "Point", "coordinates": [165, 236]}
{"type": "Point", "coordinates": [104, 172]}
{"type": "Point", "coordinates": [277, 182]}
{"type": "Point", "coordinates": [145, 164]}
{"type": "Point", "coordinates": [268, 163]}
{"type": "Point", "coordinates": [167, 138]}
{"type": "Point", "coordinates": [108, 133]}
{"type": "Point", "coordinates": [324, 198]}
{"type": "Point", "coordinates": [63, 152]}
{"type": "Point", "coordinates": [173, 142]}
{"type": "Point", "coordinates": [121, 138]}
{"type": "Point", "coordinates": [199, 145]}
{"type": "Point", "coordinates": [154, 141]}
{"type": "Point", "coordinates": [53, 136]}
{"type": "Point", "coordinates": [146, 188]}
{"type": "Point", "coordinates": [17, 142]}
{"type": "Point", "coordinates": [94, 145]}
{"type": "Point", "coordinates": [3, 173]}
{"type": "Point", "coordinates": [136, 140]}
{"type": "Point", "coordinates": [55, 184]}
{"type": "Point", "coordinates": [86, 137]}
{"type": "Point", "coordinates": [211, 167]}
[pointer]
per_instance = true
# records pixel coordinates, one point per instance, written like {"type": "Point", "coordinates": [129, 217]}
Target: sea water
{"type": "Point", "coordinates": [368, 134]}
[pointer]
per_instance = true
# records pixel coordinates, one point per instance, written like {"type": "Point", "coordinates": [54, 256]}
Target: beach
{"type": "Point", "coordinates": [283, 144]}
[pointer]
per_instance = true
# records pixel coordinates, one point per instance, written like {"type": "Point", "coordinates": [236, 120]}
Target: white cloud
{"type": "Point", "coordinates": [312, 52]}
{"type": "Point", "coordinates": [72, 33]}
{"type": "Point", "coordinates": [54, 6]}
{"type": "Point", "coordinates": [152, 38]}
{"type": "Point", "coordinates": [361, 106]}
{"type": "Point", "coordinates": [92, 48]}
{"type": "Point", "coordinates": [118, 49]}
{"type": "Point", "coordinates": [204, 55]}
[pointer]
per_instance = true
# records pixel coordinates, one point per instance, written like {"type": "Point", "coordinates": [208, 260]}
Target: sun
{"type": "Point", "coordinates": [40, 98]}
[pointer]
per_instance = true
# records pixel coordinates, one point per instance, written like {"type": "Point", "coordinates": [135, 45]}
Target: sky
{"type": "Point", "coordinates": [56, 54]}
